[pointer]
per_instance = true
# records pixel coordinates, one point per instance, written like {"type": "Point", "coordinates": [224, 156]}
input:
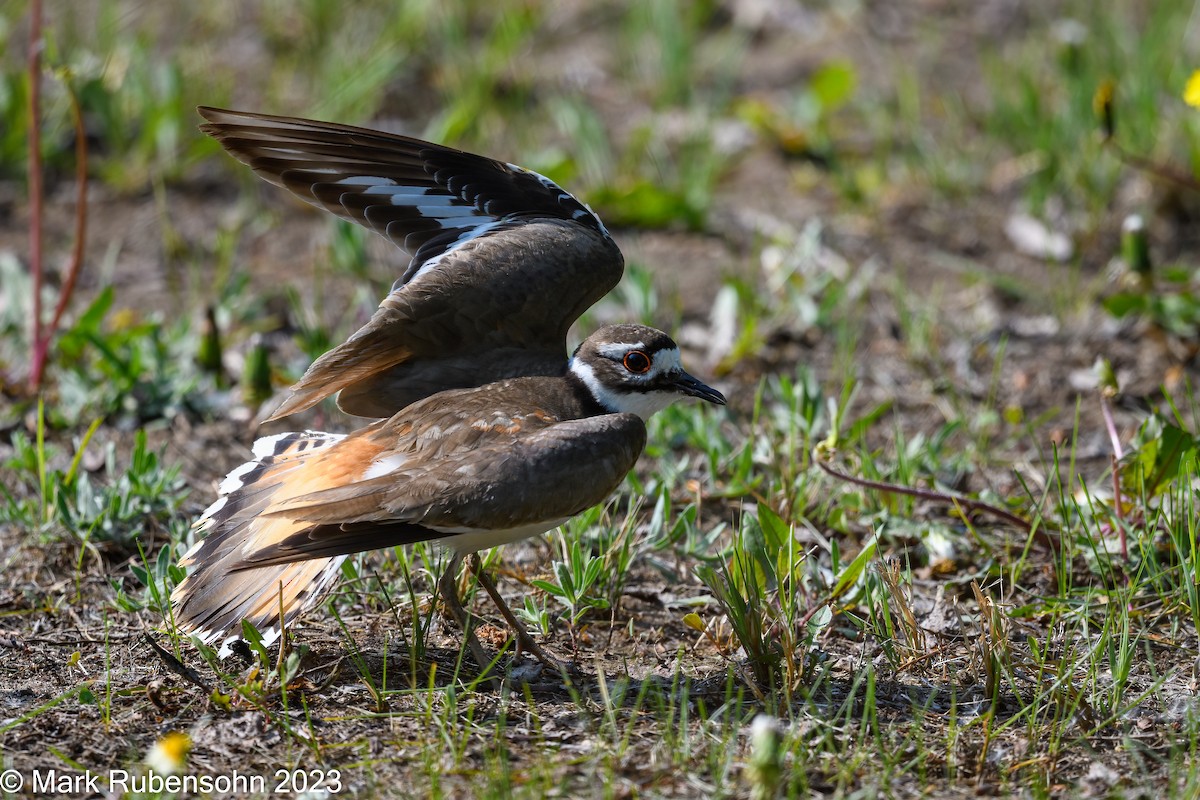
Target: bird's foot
{"type": "Point", "coordinates": [525, 642]}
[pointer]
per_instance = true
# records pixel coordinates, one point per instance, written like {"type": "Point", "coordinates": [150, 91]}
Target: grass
{"type": "Point", "coordinates": [53, 502]}
{"type": "Point", "coordinates": [746, 622]}
{"type": "Point", "coordinates": [1129, 48]}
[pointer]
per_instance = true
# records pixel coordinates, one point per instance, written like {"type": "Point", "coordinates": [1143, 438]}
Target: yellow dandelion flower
{"type": "Point", "coordinates": [169, 754]}
{"type": "Point", "coordinates": [1191, 92]}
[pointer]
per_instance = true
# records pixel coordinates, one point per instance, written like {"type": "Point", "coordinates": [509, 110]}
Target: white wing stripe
{"type": "Point", "coordinates": [367, 180]}
{"type": "Point", "coordinates": [233, 481]}
{"type": "Point", "coordinates": [467, 235]}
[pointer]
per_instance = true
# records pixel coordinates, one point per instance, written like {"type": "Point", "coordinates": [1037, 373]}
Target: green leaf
{"type": "Point", "coordinates": [855, 569]}
{"type": "Point", "coordinates": [565, 579]}
{"type": "Point", "coordinates": [776, 532]}
{"type": "Point", "coordinates": [1123, 304]}
{"type": "Point", "coordinates": [645, 204]}
{"type": "Point", "coordinates": [548, 587]}
{"type": "Point", "coordinates": [819, 621]}
{"type": "Point", "coordinates": [94, 315]}
{"type": "Point", "coordinates": [859, 429]}
{"type": "Point", "coordinates": [834, 83]}
{"type": "Point", "coordinates": [1174, 446]}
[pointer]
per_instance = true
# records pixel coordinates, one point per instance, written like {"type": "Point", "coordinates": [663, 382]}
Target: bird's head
{"type": "Point", "coordinates": [636, 369]}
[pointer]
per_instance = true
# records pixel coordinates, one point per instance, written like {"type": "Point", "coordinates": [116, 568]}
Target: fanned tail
{"type": "Point", "coordinates": [220, 590]}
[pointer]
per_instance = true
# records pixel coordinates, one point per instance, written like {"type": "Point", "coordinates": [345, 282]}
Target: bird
{"type": "Point", "coordinates": [503, 260]}
{"type": "Point", "coordinates": [469, 468]}
{"type": "Point", "coordinates": [485, 431]}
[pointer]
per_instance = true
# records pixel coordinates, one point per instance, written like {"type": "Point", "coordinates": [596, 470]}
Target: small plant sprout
{"type": "Point", "coordinates": [765, 766]}
{"type": "Point", "coordinates": [256, 374]}
{"type": "Point", "coordinates": [1135, 249]}
{"type": "Point", "coordinates": [576, 579]}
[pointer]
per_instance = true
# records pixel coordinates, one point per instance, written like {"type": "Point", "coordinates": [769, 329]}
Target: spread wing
{"type": "Point", "coordinates": [503, 259]}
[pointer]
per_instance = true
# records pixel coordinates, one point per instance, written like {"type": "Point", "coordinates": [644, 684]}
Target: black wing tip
{"type": "Point", "coordinates": [221, 117]}
{"type": "Point", "coordinates": [499, 190]}
{"type": "Point", "coordinates": [224, 124]}
{"type": "Point", "coordinates": [218, 114]}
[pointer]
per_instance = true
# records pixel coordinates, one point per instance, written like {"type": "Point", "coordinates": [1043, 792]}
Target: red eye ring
{"type": "Point", "coordinates": [636, 362]}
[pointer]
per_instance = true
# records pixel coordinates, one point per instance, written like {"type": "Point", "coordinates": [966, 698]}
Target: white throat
{"type": "Point", "coordinates": [644, 404]}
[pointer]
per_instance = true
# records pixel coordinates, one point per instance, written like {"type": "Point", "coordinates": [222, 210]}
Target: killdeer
{"type": "Point", "coordinates": [491, 434]}
{"type": "Point", "coordinates": [471, 468]}
{"type": "Point", "coordinates": [503, 259]}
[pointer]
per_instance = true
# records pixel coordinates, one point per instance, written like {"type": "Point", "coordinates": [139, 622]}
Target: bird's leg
{"type": "Point", "coordinates": [524, 640]}
{"type": "Point", "coordinates": [448, 588]}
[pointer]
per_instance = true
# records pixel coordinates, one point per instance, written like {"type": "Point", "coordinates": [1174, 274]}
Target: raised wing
{"type": "Point", "coordinates": [503, 259]}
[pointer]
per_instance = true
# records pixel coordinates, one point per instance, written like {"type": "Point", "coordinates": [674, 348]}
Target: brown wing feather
{"type": "Point", "coordinates": [326, 541]}
{"type": "Point", "coordinates": [541, 475]}
{"type": "Point", "coordinates": [504, 260]}
{"type": "Point", "coordinates": [468, 322]}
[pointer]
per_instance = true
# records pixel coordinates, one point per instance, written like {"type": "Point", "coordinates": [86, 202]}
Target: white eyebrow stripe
{"type": "Point", "coordinates": [618, 351]}
{"type": "Point", "coordinates": [666, 362]}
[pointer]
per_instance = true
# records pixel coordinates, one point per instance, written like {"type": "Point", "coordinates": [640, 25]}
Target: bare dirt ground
{"type": "Point", "coordinates": [60, 629]}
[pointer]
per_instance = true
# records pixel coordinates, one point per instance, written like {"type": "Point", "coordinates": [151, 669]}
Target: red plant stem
{"type": "Point", "coordinates": [1111, 426]}
{"type": "Point", "coordinates": [35, 182]}
{"type": "Point", "coordinates": [927, 494]}
{"type": "Point", "coordinates": [81, 180]}
{"type": "Point", "coordinates": [1162, 171]}
{"type": "Point", "coordinates": [1117, 454]}
{"type": "Point", "coordinates": [1117, 503]}
{"type": "Point", "coordinates": [43, 336]}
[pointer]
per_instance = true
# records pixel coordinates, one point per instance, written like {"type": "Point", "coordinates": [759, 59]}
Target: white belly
{"type": "Point", "coordinates": [470, 540]}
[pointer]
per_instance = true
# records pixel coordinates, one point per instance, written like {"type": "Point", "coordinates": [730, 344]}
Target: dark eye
{"type": "Point", "coordinates": [637, 362]}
